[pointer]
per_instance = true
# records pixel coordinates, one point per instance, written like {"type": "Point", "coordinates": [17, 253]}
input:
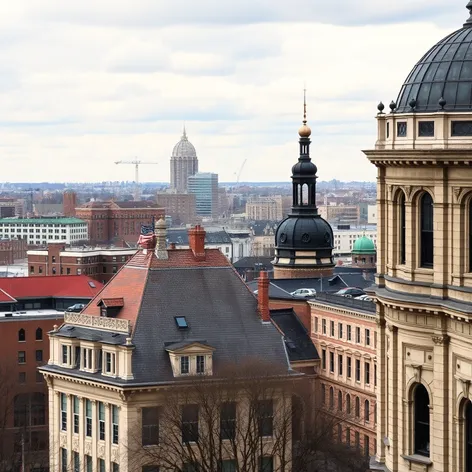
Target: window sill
{"type": "Point", "coordinates": [418, 459]}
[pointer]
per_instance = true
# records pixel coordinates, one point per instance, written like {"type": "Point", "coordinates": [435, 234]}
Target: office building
{"type": "Point", "coordinates": [204, 186]}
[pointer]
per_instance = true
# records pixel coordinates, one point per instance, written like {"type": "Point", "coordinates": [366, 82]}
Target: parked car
{"type": "Point", "coordinates": [365, 298]}
{"type": "Point", "coordinates": [304, 293]}
{"type": "Point", "coordinates": [350, 292]}
{"type": "Point", "coordinates": [77, 308]}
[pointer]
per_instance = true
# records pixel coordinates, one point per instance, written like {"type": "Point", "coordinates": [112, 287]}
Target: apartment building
{"type": "Point", "coordinates": [265, 208]}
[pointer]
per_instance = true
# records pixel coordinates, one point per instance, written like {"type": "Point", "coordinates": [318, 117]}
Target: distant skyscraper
{"type": "Point", "coordinates": [183, 163]}
{"type": "Point", "coordinates": [204, 186]}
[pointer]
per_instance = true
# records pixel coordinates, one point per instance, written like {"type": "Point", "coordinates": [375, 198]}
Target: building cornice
{"type": "Point", "coordinates": [343, 311]}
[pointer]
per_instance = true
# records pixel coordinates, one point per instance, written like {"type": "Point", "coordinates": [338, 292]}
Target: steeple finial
{"type": "Point", "coordinates": [184, 135]}
{"type": "Point", "coordinates": [468, 23]}
{"type": "Point", "coordinates": [304, 106]}
{"type": "Point", "coordinates": [305, 131]}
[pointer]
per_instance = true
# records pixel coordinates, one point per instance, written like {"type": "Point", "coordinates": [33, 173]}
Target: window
{"type": "Point", "coordinates": [358, 407]}
{"type": "Point", "coordinates": [348, 404]}
{"type": "Point", "coordinates": [348, 436]}
{"type": "Point", "coordinates": [31, 269]}
{"type": "Point", "coordinates": [468, 435]}
{"type": "Point", "coordinates": [340, 330]}
{"type": "Point", "coordinates": [150, 426]}
{"type": "Point", "coordinates": [367, 372]}
{"type": "Point", "coordinates": [200, 364]}
{"type": "Point", "coordinates": [110, 363]}
{"type": "Point", "coordinates": [39, 355]}
{"type": "Point", "coordinates": [349, 367]}
{"type": "Point", "coordinates": [101, 465]}
{"type": "Point", "coordinates": [358, 370]}
{"type": "Point", "coordinates": [181, 322]}
{"type": "Point", "coordinates": [323, 358]}
{"type": "Point", "coordinates": [331, 397]}
{"type": "Point", "coordinates": [264, 411]}
{"type": "Point", "coordinates": [340, 364]}
{"type": "Point", "coordinates": [358, 440]}
{"type": "Point", "coordinates": [401, 129]}
{"type": "Point", "coordinates": [115, 467]}
{"type": "Point", "coordinates": [101, 421]}
{"type": "Point", "coordinates": [64, 464]}
{"type": "Point", "coordinates": [461, 128]}
{"type": "Point", "coordinates": [228, 420]}
{"type": "Point", "coordinates": [331, 362]}
{"type": "Point", "coordinates": [316, 324]}
{"type": "Point", "coordinates": [184, 365]}
{"type": "Point", "coordinates": [76, 414]}
{"type": "Point", "coordinates": [228, 465]}
{"type": "Point", "coordinates": [21, 377]}
{"type": "Point", "coordinates": [39, 334]}
{"type": "Point", "coordinates": [21, 335]}
{"type": "Point", "coordinates": [63, 412]}
{"type": "Point", "coordinates": [21, 357]}
{"type": "Point", "coordinates": [87, 359]}
{"type": "Point", "coordinates": [323, 393]}
{"type": "Point", "coordinates": [266, 464]}
{"type": "Point", "coordinates": [114, 424]}
{"type": "Point", "coordinates": [340, 401]}
{"type": "Point", "coordinates": [402, 220]}
{"type": "Point", "coordinates": [66, 355]}
{"type": "Point", "coordinates": [358, 335]}
{"type": "Point", "coordinates": [366, 445]}
{"type": "Point", "coordinates": [88, 464]}
{"type": "Point", "coordinates": [332, 328]}
{"type": "Point", "coordinates": [76, 462]}
{"type": "Point", "coordinates": [421, 418]}
{"type": "Point", "coordinates": [426, 129]}
{"type": "Point", "coordinates": [367, 337]}
{"type": "Point", "coordinates": [190, 423]}
{"type": "Point", "coordinates": [88, 418]}
{"type": "Point", "coordinates": [426, 220]}
{"type": "Point", "coordinates": [375, 375]}
{"type": "Point", "coordinates": [366, 411]}
{"type": "Point", "coordinates": [323, 326]}
{"type": "Point", "coordinates": [349, 333]}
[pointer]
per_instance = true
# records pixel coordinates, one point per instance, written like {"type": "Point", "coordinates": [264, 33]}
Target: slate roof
{"type": "Point", "coordinates": [263, 263]}
{"type": "Point", "coordinates": [274, 291]}
{"type": "Point", "coordinates": [89, 334]}
{"type": "Point", "coordinates": [180, 237]}
{"type": "Point", "coordinates": [258, 227]}
{"type": "Point", "coordinates": [300, 347]}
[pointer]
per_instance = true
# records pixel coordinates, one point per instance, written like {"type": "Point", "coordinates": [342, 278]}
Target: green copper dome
{"type": "Point", "coordinates": [364, 245]}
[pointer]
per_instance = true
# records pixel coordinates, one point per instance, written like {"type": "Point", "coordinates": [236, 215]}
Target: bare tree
{"type": "Point", "coordinates": [254, 418]}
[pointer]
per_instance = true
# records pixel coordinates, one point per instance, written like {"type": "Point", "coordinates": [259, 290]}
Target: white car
{"type": "Point", "coordinates": [304, 293]}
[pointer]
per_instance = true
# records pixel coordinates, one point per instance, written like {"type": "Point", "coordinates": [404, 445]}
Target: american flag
{"type": "Point", "coordinates": [147, 233]}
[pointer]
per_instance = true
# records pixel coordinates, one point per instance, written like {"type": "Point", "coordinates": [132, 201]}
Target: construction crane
{"type": "Point", "coordinates": [238, 176]}
{"type": "Point", "coordinates": [136, 164]}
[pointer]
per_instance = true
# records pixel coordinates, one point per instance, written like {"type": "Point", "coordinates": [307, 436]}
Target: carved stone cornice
{"type": "Point", "coordinates": [441, 339]}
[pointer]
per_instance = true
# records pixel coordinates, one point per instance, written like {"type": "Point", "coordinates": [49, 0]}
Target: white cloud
{"type": "Point", "coordinates": [84, 84]}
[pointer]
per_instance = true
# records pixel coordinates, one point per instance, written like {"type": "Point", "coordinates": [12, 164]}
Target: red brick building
{"type": "Point", "coordinates": [114, 221]}
{"type": "Point", "coordinates": [58, 259]}
{"type": "Point", "coordinates": [69, 202]}
{"type": "Point", "coordinates": [11, 250]}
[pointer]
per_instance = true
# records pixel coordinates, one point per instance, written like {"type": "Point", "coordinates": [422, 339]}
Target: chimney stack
{"type": "Point", "coordinates": [196, 239]}
{"type": "Point", "coordinates": [263, 295]}
{"type": "Point", "coordinates": [160, 231]}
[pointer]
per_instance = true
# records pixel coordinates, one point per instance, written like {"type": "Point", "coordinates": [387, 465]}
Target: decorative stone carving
{"type": "Point", "coordinates": [407, 190]}
{"type": "Point", "coordinates": [440, 340]}
{"type": "Point", "coordinates": [63, 440]}
{"type": "Point", "coordinates": [100, 322]}
{"type": "Point", "coordinates": [417, 368]}
{"type": "Point", "coordinates": [115, 457]}
{"type": "Point", "coordinates": [88, 448]}
{"type": "Point", "coordinates": [391, 327]}
{"type": "Point", "coordinates": [101, 451]}
{"type": "Point", "coordinates": [465, 387]}
{"type": "Point", "coordinates": [457, 191]}
{"type": "Point", "coordinates": [75, 444]}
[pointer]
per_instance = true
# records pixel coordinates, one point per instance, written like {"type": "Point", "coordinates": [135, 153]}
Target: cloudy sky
{"type": "Point", "coordinates": [84, 84]}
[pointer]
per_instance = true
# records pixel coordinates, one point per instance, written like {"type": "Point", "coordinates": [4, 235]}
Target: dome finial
{"type": "Point", "coordinates": [469, 21]}
{"type": "Point", "coordinates": [184, 135]}
{"type": "Point", "coordinates": [304, 131]}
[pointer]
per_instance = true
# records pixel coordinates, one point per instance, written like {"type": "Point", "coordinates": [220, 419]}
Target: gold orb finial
{"type": "Point", "coordinates": [305, 130]}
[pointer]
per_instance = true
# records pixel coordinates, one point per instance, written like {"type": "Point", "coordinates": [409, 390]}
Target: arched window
{"type": "Point", "coordinates": [421, 416]}
{"type": "Point", "coordinates": [21, 335]}
{"type": "Point", "coordinates": [305, 200]}
{"type": "Point", "coordinates": [426, 230]}
{"type": "Point", "coordinates": [39, 334]}
{"type": "Point", "coordinates": [366, 411]}
{"type": "Point", "coordinates": [358, 407]}
{"type": "Point", "coordinates": [340, 401]}
{"type": "Point", "coordinates": [468, 436]}
{"type": "Point", "coordinates": [402, 228]}
{"type": "Point", "coordinates": [348, 404]}
{"type": "Point", "coordinates": [331, 397]}
{"type": "Point", "coordinates": [470, 235]}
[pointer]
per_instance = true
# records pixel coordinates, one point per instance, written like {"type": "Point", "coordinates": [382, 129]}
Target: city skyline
{"type": "Point", "coordinates": [80, 89]}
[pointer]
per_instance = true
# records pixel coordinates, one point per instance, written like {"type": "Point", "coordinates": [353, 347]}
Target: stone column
{"type": "Point", "coordinates": [382, 223]}
{"type": "Point", "coordinates": [54, 429]}
{"type": "Point", "coordinates": [381, 385]}
{"type": "Point", "coordinates": [440, 420]}
{"type": "Point", "coordinates": [108, 436]}
{"type": "Point", "coordinates": [94, 432]}
{"type": "Point", "coordinates": [393, 399]}
{"type": "Point", "coordinates": [410, 241]}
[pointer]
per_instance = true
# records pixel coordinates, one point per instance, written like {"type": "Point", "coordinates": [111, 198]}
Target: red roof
{"type": "Point", "coordinates": [5, 298]}
{"type": "Point", "coordinates": [71, 286]}
{"type": "Point", "coordinates": [112, 302]}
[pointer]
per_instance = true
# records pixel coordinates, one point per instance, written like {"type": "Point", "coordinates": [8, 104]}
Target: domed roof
{"type": "Point", "coordinates": [443, 74]}
{"type": "Point", "coordinates": [364, 245]}
{"type": "Point", "coordinates": [308, 233]}
{"type": "Point", "coordinates": [305, 168]}
{"type": "Point", "coordinates": [184, 148]}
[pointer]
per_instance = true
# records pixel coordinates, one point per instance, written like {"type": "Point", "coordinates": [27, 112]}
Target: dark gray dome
{"type": "Point", "coordinates": [307, 233]}
{"type": "Point", "coordinates": [304, 168]}
{"type": "Point", "coordinates": [444, 72]}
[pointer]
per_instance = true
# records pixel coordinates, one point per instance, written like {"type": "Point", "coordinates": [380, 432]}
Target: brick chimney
{"type": "Point", "coordinates": [196, 239]}
{"type": "Point", "coordinates": [263, 295]}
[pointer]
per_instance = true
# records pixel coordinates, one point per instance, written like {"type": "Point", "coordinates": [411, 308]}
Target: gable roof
{"type": "Point", "coordinates": [56, 286]}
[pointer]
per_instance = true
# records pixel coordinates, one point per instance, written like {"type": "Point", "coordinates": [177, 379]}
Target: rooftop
{"type": "Point", "coordinates": [42, 221]}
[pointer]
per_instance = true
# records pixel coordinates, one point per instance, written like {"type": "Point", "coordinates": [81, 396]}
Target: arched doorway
{"type": "Point", "coordinates": [468, 436]}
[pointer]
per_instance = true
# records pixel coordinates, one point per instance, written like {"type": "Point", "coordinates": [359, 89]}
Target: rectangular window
{"type": "Point", "coordinates": [349, 333]}
{"type": "Point", "coordinates": [101, 421]}
{"type": "Point", "coordinates": [340, 330]}
{"type": "Point", "coordinates": [88, 464]}
{"type": "Point", "coordinates": [200, 364]}
{"type": "Point", "coordinates": [21, 357]}
{"type": "Point", "coordinates": [65, 354]}
{"type": "Point", "coordinates": [316, 324]}
{"type": "Point", "coordinates": [358, 335]}
{"type": "Point", "coordinates": [265, 414]}
{"type": "Point", "coordinates": [76, 462]}
{"type": "Point", "coordinates": [110, 363]}
{"type": "Point", "coordinates": [150, 426]}
{"type": "Point", "coordinates": [323, 358]}
{"type": "Point", "coordinates": [401, 129]}
{"type": "Point", "coordinates": [64, 464]}
{"type": "Point", "coordinates": [323, 326]}
{"type": "Point", "coordinates": [358, 370]}
{"type": "Point", "coordinates": [190, 423]}
{"type": "Point", "coordinates": [101, 465]}
{"type": "Point", "coordinates": [461, 128]}
{"type": "Point", "coordinates": [331, 362]}
{"type": "Point", "coordinates": [88, 418]}
{"type": "Point", "coordinates": [228, 420]}
{"type": "Point", "coordinates": [266, 464]}
{"type": "Point", "coordinates": [426, 129]}
{"type": "Point", "coordinates": [367, 373]}
{"type": "Point", "coordinates": [76, 414]}
{"type": "Point", "coordinates": [366, 445]}
{"type": "Point", "coordinates": [63, 412]}
{"type": "Point", "coordinates": [332, 328]}
{"type": "Point", "coordinates": [375, 375]}
{"type": "Point", "coordinates": [349, 367]}
{"type": "Point", "coordinates": [340, 364]}
{"type": "Point", "coordinates": [229, 465]}
{"type": "Point", "coordinates": [21, 377]}
{"type": "Point", "coordinates": [348, 436]}
{"type": "Point", "coordinates": [115, 467]}
{"type": "Point", "coordinates": [358, 442]}
{"type": "Point", "coordinates": [114, 424]}
{"type": "Point", "coordinates": [367, 337]}
{"type": "Point", "coordinates": [184, 365]}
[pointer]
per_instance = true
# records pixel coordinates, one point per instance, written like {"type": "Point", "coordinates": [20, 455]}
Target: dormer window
{"type": "Point", "coordinates": [109, 363]}
{"type": "Point", "coordinates": [200, 364]}
{"type": "Point", "coordinates": [110, 307]}
{"type": "Point", "coordinates": [184, 365]}
{"type": "Point", "coordinates": [190, 357]}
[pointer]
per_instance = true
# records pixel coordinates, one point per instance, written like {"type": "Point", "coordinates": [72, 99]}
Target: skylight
{"type": "Point", "coordinates": [181, 322]}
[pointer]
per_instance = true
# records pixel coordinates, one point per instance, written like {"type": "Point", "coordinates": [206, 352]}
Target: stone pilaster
{"type": "Point", "coordinates": [382, 388]}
